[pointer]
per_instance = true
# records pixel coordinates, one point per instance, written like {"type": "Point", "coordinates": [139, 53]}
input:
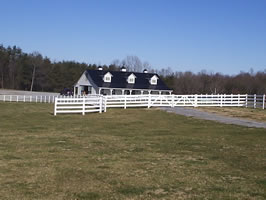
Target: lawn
{"type": "Point", "coordinates": [126, 154]}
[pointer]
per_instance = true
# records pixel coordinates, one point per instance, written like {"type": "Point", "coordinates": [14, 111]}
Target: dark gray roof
{"type": "Point", "coordinates": [119, 80]}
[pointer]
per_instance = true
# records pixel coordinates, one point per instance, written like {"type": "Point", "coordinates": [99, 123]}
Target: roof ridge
{"type": "Point", "coordinates": [120, 71]}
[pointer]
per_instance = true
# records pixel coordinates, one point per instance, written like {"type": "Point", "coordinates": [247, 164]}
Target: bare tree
{"type": "Point", "coordinates": [36, 61]}
{"type": "Point", "coordinates": [165, 72]}
{"type": "Point", "coordinates": [133, 63]}
{"type": "Point", "coordinates": [116, 62]}
{"type": "Point", "coordinates": [146, 65]}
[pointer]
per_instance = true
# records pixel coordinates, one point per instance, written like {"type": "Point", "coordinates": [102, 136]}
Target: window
{"type": "Point", "coordinates": [131, 80]}
{"type": "Point", "coordinates": [89, 89]}
{"type": "Point", "coordinates": [154, 81]}
{"type": "Point", "coordinates": [107, 79]}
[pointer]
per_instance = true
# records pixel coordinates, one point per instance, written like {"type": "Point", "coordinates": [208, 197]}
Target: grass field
{"type": "Point", "coordinates": [242, 112]}
{"type": "Point", "coordinates": [126, 154]}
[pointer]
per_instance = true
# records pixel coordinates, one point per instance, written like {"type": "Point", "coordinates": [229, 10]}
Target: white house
{"type": "Point", "coordinates": [119, 82]}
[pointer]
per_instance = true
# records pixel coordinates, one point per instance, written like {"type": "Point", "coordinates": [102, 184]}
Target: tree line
{"type": "Point", "coordinates": [33, 72]}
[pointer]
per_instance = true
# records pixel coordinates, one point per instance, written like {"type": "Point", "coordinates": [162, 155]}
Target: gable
{"type": "Point", "coordinates": [108, 74]}
{"type": "Point", "coordinates": [83, 80]}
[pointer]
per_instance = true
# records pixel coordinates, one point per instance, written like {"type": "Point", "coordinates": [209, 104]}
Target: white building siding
{"type": "Point", "coordinates": [84, 83]}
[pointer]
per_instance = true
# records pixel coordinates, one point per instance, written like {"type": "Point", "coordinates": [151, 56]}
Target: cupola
{"type": "Point", "coordinates": [123, 69]}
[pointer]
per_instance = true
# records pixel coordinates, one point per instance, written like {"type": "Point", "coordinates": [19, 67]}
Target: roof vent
{"type": "Point", "coordinates": [145, 71]}
{"type": "Point", "coordinates": [100, 68]}
{"type": "Point", "coordinates": [123, 69]}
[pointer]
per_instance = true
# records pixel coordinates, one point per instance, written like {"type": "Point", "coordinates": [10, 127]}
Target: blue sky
{"type": "Point", "coordinates": [213, 35]}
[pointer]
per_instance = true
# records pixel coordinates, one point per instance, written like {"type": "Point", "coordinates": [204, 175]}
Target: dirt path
{"type": "Point", "coordinates": [214, 117]}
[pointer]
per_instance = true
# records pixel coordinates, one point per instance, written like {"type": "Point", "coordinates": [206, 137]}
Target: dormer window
{"type": "Point", "coordinates": [107, 77]}
{"type": "Point", "coordinates": [131, 78]}
{"type": "Point", "coordinates": [153, 80]}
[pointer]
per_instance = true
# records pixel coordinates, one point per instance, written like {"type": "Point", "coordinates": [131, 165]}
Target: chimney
{"type": "Point", "coordinates": [123, 69]}
{"type": "Point", "coordinates": [100, 68]}
{"type": "Point", "coordinates": [145, 71]}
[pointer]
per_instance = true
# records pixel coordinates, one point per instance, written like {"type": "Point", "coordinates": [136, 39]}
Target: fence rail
{"type": "Point", "coordinates": [79, 105]}
{"type": "Point", "coordinates": [34, 98]}
{"type": "Point", "coordinates": [27, 98]}
{"type": "Point", "coordinates": [99, 103]}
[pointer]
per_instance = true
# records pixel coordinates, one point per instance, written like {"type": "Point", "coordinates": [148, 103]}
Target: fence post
{"type": "Point", "coordinates": [255, 100]}
{"type": "Point", "coordinates": [83, 106]}
{"type": "Point", "coordinates": [196, 101]}
{"type": "Point", "coordinates": [149, 101]}
{"type": "Point", "coordinates": [55, 106]}
{"type": "Point", "coordinates": [263, 102]}
{"type": "Point", "coordinates": [10, 98]}
{"type": "Point", "coordinates": [101, 103]}
{"type": "Point", "coordinates": [173, 100]}
{"type": "Point", "coordinates": [221, 101]}
{"type": "Point", "coordinates": [17, 98]}
{"type": "Point", "coordinates": [125, 102]}
{"type": "Point", "coordinates": [104, 104]}
{"type": "Point", "coordinates": [238, 100]}
{"type": "Point", "coordinates": [4, 98]}
{"type": "Point", "coordinates": [24, 99]}
{"type": "Point", "coordinates": [246, 100]}
{"type": "Point", "coordinates": [30, 98]}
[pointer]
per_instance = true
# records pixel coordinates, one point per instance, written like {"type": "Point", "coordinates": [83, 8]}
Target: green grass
{"type": "Point", "coordinates": [126, 154]}
{"type": "Point", "coordinates": [257, 114]}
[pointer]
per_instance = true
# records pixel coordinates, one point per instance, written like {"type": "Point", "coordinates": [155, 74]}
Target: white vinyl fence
{"type": "Point", "coordinates": [81, 105]}
{"type": "Point", "coordinates": [99, 103]}
{"type": "Point", "coordinates": [27, 98]}
{"type": "Point", "coordinates": [32, 98]}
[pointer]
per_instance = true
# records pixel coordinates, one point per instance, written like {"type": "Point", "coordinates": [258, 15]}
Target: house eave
{"type": "Point", "coordinates": [134, 89]}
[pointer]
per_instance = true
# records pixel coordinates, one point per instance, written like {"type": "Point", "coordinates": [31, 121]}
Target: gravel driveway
{"type": "Point", "coordinates": [214, 117]}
